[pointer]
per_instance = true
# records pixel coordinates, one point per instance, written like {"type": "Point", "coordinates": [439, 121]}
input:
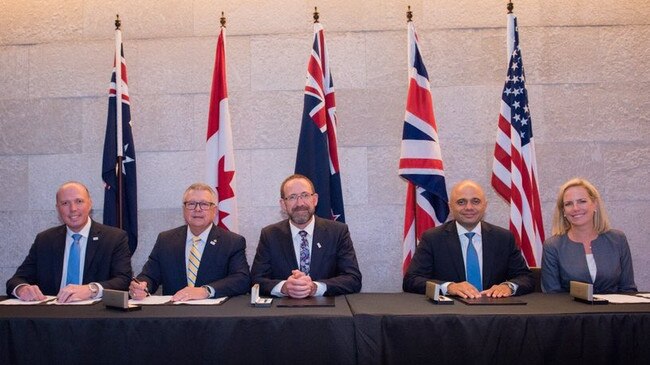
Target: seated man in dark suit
{"type": "Point", "coordinates": [75, 261]}
{"type": "Point", "coordinates": [305, 255]}
{"type": "Point", "coordinates": [467, 256]}
{"type": "Point", "coordinates": [198, 260]}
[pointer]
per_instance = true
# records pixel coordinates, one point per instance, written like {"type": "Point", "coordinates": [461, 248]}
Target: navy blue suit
{"type": "Point", "coordinates": [334, 263]}
{"type": "Point", "coordinates": [439, 257]}
{"type": "Point", "coordinates": [107, 261]}
{"type": "Point", "coordinates": [223, 264]}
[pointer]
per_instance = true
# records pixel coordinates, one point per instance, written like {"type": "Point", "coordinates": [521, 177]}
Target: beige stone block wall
{"type": "Point", "coordinates": [587, 74]}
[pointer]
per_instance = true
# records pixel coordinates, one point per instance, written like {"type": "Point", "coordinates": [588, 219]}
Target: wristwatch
{"type": "Point", "coordinates": [94, 289]}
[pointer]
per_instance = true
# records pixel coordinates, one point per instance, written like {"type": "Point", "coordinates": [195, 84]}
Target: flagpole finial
{"type": "Point", "coordinates": [315, 14]}
{"type": "Point", "coordinates": [510, 7]}
{"type": "Point", "coordinates": [409, 14]}
{"type": "Point", "coordinates": [223, 20]}
{"type": "Point", "coordinates": [118, 22]}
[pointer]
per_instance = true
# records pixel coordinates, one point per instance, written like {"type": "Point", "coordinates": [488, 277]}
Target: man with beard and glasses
{"type": "Point", "coordinates": [305, 255]}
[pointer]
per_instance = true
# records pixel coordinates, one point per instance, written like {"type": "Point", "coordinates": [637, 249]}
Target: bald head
{"type": "Point", "coordinates": [467, 203]}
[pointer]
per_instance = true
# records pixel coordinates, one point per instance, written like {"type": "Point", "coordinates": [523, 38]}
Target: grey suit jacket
{"type": "Point", "coordinates": [334, 263]}
{"type": "Point", "coordinates": [107, 262]}
{"type": "Point", "coordinates": [223, 263]}
{"type": "Point", "coordinates": [564, 260]}
{"type": "Point", "coordinates": [439, 257]}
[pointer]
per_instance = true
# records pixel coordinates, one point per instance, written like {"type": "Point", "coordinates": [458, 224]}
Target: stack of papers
{"type": "Point", "coordinates": [15, 301]}
{"type": "Point", "coordinates": [164, 299]}
{"type": "Point", "coordinates": [623, 298]}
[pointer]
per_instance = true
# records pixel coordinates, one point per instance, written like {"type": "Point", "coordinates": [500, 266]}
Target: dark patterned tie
{"type": "Point", "coordinates": [305, 261]}
{"type": "Point", "coordinates": [471, 264]}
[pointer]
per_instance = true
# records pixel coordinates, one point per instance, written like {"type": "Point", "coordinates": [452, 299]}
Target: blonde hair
{"type": "Point", "coordinates": [561, 225]}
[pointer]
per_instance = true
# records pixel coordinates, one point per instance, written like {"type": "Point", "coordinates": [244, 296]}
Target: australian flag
{"type": "Point", "coordinates": [120, 207]}
{"type": "Point", "coordinates": [317, 148]}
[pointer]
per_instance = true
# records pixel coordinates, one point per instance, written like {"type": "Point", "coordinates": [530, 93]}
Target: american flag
{"type": "Point", "coordinates": [317, 156]}
{"type": "Point", "coordinates": [120, 200]}
{"type": "Point", "coordinates": [421, 159]}
{"type": "Point", "coordinates": [220, 160]}
{"type": "Point", "coordinates": [514, 172]}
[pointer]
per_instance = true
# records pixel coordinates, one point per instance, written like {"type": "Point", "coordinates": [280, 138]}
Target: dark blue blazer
{"type": "Point", "coordinates": [334, 263]}
{"type": "Point", "coordinates": [107, 262]}
{"type": "Point", "coordinates": [223, 264]}
{"type": "Point", "coordinates": [439, 257]}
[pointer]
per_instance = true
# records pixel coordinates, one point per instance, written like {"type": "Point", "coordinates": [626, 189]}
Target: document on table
{"type": "Point", "coordinates": [215, 301]}
{"type": "Point", "coordinates": [15, 301]}
{"type": "Point", "coordinates": [152, 300]}
{"type": "Point", "coordinates": [79, 302]}
{"type": "Point", "coordinates": [622, 298]}
{"type": "Point", "coordinates": [644, 295]}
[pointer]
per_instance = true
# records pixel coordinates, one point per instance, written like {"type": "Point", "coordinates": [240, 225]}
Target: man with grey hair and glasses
{"type": "Point", "coordinates": [198, 260]}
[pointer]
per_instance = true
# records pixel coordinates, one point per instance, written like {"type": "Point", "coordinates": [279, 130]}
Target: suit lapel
{"type": "Point", "coordinates": [318, 247]}
{"type": "Point", "coordinates": [456, 250]}
{"type": "Point", "coordinates": [59, 254]}
{"type": "Point", "coordinates": [178, 250]}
{"type": "Point", "coordinates": [92, 244]}
{"type": "Point", "coordinates": [286, 240]}
{"type": "Point", "coordinates": [487, 242]}
{"type": "Point", "coordinates": [209, 252]}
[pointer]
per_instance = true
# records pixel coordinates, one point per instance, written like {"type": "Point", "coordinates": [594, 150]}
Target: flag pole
{"type": "Point", "coordinates": [223, 20]}
{"type": "Point", "coordinates": [510, 31]}
{"type": "Point", "coordinates": [118, 106]}
{"type": "Point", "coordinates": [316, 14]}
{"type": "Point", "coordinates": [409, 15]}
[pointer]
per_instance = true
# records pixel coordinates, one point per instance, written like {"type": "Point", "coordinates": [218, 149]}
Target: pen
{"type": "Point", "coordinates": [139, 282]}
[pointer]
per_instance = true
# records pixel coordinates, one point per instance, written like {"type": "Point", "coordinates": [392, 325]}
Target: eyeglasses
{"type": "Point", "coordinates": [201, 205]}
{"type": "Point", "coordinates": [294, 197]}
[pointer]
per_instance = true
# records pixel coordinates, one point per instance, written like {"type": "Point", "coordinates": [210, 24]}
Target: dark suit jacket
{"type": "Point", "coordinates": [107, 262]}
{"type": "Point", "coordinates": [438, 257]}
{"type": "Point", "coordinates": [223, 264]}
{"type": "Point", "coordinates": [334, 263]}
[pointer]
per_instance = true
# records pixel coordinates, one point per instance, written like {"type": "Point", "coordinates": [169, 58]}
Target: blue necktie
{"type": "Point", "coordinates": [305, 261]}
{"type": "Point", "coordinates": [471, 264]}
{"type": "Point", "coordinates": [73, 261]}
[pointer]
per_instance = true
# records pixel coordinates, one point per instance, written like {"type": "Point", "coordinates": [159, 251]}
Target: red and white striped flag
{"type": "Point", "coordinates": [421, 158]}
{"type": "Point", "coordinates": [220, 160]}
{"type": "Point", "coordinates": [514, 172]}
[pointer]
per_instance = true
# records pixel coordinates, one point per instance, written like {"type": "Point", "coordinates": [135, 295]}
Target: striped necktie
{"type": "Point", "coordinates": [193, 262]}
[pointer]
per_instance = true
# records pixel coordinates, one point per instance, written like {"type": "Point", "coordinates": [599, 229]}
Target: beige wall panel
{"type": "Point", "coordinates": [14, 172]}
{"type": "Point", "coordinates": [279, 62]}
{"type": "Point", "coordinates": [140, 19]}
{"type": "Point", "coordinates": [57, 70]}
{"type": "Point", "coordinates": [353, 163]}
{"type": "Point", "coordinates": [31, 21]}
{"type": "Point", "coordinates": [269, 168]}
{"type": "Point", "coordinates": [385, 186]}
{"type": "Point", "coordinates": [48, 172]}
{"type": "Point", "coordinates": [40, 126]}
{"type": "Point", "coordinates": [14, 80]}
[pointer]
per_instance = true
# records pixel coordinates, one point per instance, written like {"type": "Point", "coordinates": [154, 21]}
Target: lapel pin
{"type": "Point", "coordinates": [318, 244]}
{"type": "Point", "coordinates": [95, 238]}
{"type": "Point", "coordinates": [213, 242]}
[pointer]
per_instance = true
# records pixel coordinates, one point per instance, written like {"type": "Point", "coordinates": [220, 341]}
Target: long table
{"type": "Point", "coordinates": [232, 333]}
{"type": "Point", "coordinates": [550, 329]}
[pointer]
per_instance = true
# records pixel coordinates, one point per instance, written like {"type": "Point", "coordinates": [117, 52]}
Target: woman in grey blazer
{"type": "Point", "coordinates": [583, 246]}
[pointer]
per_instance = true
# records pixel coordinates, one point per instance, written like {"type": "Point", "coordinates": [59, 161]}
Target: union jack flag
{"type": "Point", "coordinates": [120, 199]}
{"type": "Point", "coordinates": [421, 159]}
{"type": "Point", "coordinates": [317, 156]}
{"type": "Point", "coordinates": [514, 172]}
{"type": "Point", "coordinates": [220, 159]}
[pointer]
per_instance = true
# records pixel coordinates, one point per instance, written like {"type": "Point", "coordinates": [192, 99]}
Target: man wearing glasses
{"type": "Point", "coordinates": [196, 261]}
{"type": "Point", "coordinates": [305, 255]}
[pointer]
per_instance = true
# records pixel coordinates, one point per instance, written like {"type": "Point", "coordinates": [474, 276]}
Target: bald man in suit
{"type": "Point", "coordinates": [103, 256]}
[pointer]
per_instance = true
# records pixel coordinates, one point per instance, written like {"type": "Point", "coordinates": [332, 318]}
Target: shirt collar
{"type": "Point", "coordinates": [84, 232]}
{"type": "Point", "coordinates": [203, 236]}
{"type": "Point", "coordinates": [309, 228]}
{"type": "Point", "coordinates": [462, 230]}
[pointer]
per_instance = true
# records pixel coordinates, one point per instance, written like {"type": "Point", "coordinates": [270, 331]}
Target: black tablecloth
{"type": "Point", "coordinates": [551, 329]}
{"type": "Point", "coordinates": [233, 333]}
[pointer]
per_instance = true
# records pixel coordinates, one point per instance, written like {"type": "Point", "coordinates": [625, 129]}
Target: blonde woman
{"type": "Point", "coordinates": [583, 246]}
